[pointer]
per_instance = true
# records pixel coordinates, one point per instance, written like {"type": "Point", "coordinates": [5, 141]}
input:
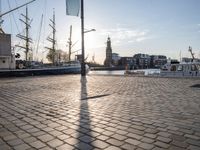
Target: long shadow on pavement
{"type": "Point", "coordinates": [84, 134]}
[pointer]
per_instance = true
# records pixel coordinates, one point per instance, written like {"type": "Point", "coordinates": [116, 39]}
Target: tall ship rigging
{"type": "Point", "coordinates": [7, 55]}
{"type": "Point", "coordinates": [26, 68]}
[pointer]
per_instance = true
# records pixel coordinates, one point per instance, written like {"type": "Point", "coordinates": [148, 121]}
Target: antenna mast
{"type": "Point", "coordinates": [26, 38]}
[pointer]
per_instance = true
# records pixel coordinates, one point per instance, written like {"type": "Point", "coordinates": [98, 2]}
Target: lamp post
{"type": "Point", "coordinates": [83, 72]}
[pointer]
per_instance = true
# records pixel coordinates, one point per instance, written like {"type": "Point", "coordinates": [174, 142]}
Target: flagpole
{"type": "Point", "coordinates": [83, 72]}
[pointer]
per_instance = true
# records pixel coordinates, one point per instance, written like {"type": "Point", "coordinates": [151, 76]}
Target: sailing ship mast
{"type": "Point", "coordinates": [2, 14]}
{"type": "Point", "coordinates": [52, 50]}
{"type": "Point", "coordinates": [70, 43]}
{"type": "Point", "coordinates": [1, 21]}
{"type": "Point", "coordinates": [26, 38]}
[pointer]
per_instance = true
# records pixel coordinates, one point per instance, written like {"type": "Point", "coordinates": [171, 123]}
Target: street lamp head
{"type": "Point", "coordinates": [89, 30]}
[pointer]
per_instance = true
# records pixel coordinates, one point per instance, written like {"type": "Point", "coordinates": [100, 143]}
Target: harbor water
{"type": "Point", "coordinates": [121, 72]}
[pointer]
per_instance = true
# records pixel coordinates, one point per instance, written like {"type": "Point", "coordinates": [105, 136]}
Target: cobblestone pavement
{"type": "Point", "coordinates": [99, 112]}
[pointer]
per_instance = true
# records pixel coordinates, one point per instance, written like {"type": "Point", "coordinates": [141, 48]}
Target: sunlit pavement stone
{"type": "Point", "coordinates": [99, 112]}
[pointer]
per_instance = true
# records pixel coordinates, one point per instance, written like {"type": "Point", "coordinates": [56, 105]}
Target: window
{"type": "Point", "coordinates": [4, 61]}
{"type": "Point", "coordinates": [180, 68]}
{"type": "Point", "coordinates": [198, 67]}
{"type": "Point", "coordinates": [173, 68]}
{"type": "Point", "coordinates": [193, 68]}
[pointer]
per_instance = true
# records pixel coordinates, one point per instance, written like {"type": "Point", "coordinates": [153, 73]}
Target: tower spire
{"type": "Point", "coordinates": [108, 60]}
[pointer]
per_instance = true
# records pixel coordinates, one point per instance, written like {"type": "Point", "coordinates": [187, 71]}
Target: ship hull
{"type": "Point", "coordinates": [38, 72]}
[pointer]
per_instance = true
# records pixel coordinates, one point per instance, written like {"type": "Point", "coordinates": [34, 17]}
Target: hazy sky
{"type": "Point", "coordinates": [135, 26]}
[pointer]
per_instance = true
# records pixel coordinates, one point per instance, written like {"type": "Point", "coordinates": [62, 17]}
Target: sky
{"type": "Point", "coordinates": [160, 27]}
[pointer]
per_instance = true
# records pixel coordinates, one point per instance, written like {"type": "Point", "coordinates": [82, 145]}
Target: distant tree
{"type": "Point", "coordinates": [65, 57]}
{"type": "Point", "coordinates": [51, 56]}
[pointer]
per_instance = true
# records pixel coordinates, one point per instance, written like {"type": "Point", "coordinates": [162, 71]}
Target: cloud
{"type": "Point", "coordinates": [122, 35]}
{"type": "Point", "coordinates": [141, 39]}
{"type": "Point", "coordinates": [131, 41]}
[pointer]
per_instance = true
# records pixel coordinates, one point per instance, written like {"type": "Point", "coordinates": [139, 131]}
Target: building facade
{"type": "Point", "coordinates": [108, 60]}
{"type": "Point", "coordinates": [115, 59]}
{"type": "Point", "coordinates": [142, 61]}
{"type": "Point", "coordinates": [158, 61]}
{"type": "Point", "coordinates": [128, 62]}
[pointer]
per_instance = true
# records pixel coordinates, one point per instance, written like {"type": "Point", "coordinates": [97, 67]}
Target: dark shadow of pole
{"type": "Point", "coordinates": [84, 131]}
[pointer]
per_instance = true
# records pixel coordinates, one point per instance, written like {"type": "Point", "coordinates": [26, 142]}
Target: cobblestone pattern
{"type": "Point", "coordinates": [100, 112]}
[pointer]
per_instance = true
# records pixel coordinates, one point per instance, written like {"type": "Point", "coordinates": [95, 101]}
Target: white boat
{"type": "Point", "coordinates": [183, 69]}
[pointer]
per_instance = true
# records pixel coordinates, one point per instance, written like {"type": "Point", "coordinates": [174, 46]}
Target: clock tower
{"type": "Point", "coordinates": [108, 60]}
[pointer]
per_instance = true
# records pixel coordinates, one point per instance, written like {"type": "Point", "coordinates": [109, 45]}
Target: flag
{"type": "Point", "coordinates": [72, 7]}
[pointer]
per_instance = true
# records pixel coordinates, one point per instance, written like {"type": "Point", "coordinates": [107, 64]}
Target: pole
{"type": "Point", "coordinates": [70, 43]}
{"type": "Point", "coordinates": [83, 73]}
{"type": "Point", "coordinates": [54, 32]}
{"type": "Point", "coordinates": [27, 36]}
{"type": "Point", "coordinates": [0, 14]}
